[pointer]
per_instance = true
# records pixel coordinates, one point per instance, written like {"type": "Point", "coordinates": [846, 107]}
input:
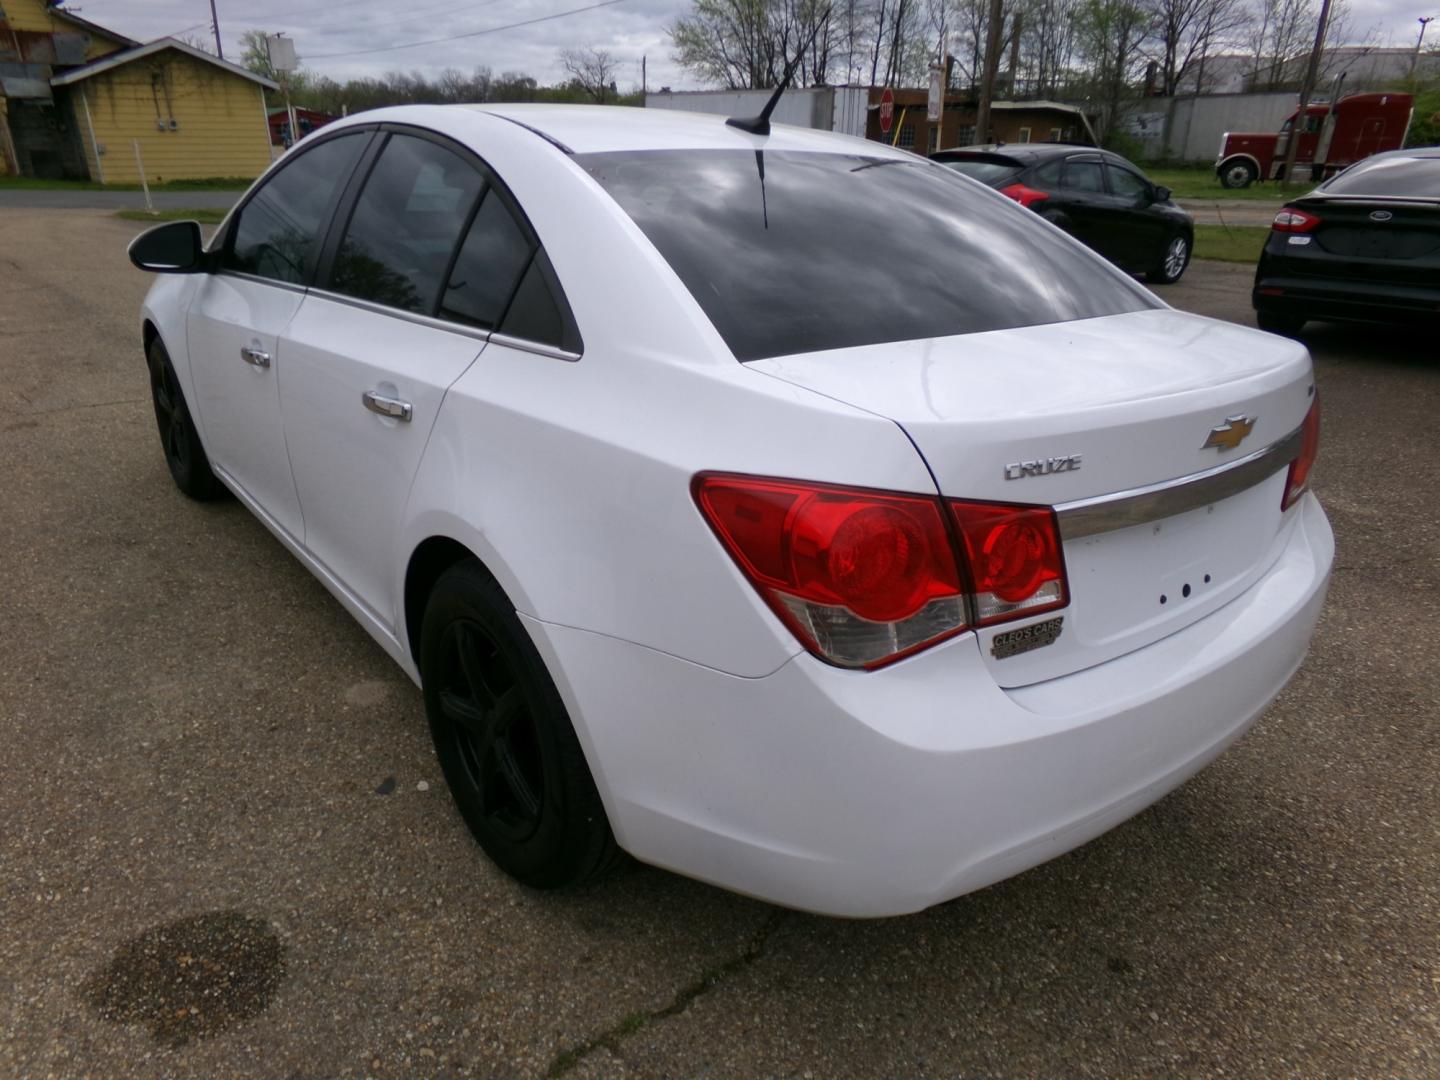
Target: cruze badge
{"type": "Point", "coordinates": [1042, 466]}
{"type": "Point", "coordinates": [1230, 434]}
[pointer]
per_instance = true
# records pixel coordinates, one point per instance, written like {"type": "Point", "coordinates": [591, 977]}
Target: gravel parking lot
{"type": "Point", "coordinates": [225, 847]}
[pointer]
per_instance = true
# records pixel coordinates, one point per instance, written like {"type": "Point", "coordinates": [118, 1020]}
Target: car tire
{"type": "Point", "coordinates": [1284, 325]}
{"type": "Point", "coordinates": [1237, 174]}
{"type": "Point", "coordinates": [504, 740]}
{"type": "Point", "coordinates": [1173, 262]}
{"type": "Point", "coordinates": [179, 439]}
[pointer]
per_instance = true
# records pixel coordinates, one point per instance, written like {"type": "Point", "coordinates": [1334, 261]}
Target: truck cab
{"type": "Point", "coordinates": [1331, 137]}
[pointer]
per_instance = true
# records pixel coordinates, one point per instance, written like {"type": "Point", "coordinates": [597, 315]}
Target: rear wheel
{"type": "Point", "coordinates": [1285, 325]}
{"type": "Point", "coordinates": [180, 441]}
{"type": "Point", "coordinates": [504, 740]}
{"type": "Point", "coordinates": [1173, 263]}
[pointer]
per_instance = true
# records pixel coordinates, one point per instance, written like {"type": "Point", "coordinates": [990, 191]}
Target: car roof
{"type": "Point", "coordinates": [589, 129]}
{"type": "Point", "coordinates": [1020, 153]}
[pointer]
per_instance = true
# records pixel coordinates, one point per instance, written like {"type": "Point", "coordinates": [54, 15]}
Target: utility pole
{"type": "Point", "coordinates": [644, 84]}
{"type": "Point", "coordinates": [1307, 88]}
{"type": "Point", "coordinates": [215, 22]}
{"type": "Point", "coordinates": [992, 65]}
{"type": "Point", "coordinates": [1425, 20]}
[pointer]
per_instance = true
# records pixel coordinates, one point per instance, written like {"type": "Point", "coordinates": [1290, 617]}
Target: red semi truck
{"type": "Point", "coordinates": [1333, 136]}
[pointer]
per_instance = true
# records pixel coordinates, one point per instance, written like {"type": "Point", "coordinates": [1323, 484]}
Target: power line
{"type": "Point", "coordinates": [469, 34]}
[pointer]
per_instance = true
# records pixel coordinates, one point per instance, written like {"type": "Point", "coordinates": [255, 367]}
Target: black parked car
{"type": "Point", "coordinates": [1364, 247]}
{"type": "Point", "coordinates": [1096, 196]}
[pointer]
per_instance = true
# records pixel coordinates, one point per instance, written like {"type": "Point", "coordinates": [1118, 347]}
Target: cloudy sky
{"type": "Point", "coordinates": [348, 38]}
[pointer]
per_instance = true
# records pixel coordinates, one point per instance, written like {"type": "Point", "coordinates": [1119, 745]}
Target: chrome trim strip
{"type": "Point", "coordinates": [533, 347]}
{"type": "Point", "coordinates": [399, 313]}
{"type": "Point", "coordinates": [1138, 506]}
{"type": "Point", "coordinates": [289, 286]}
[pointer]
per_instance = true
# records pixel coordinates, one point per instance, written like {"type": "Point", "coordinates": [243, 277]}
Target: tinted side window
{"type": "Point", "coordinates": [406, 224]}
{"type": "Point", "coordinates": [1047, 177]}
{"type": "Point", "coordinates": [1126, 184]}
{"type": "Point", "coordinates": [537, 312]}
{"type": "Point", "coordinates": [1083, 176]}
{"type": "Point", "coordinates": [495, 253]}
{"type": "Point", "coordinates": [278, 229]}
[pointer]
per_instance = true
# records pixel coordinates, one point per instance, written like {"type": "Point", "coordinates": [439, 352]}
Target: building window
{"type": "Point", "coordinates": [907, 137]}
{"type": "Point", "coordinates": [965, 136]}
{"type": "Point", "coordinates": [1024, 135]}
{"type": "Point", "coordinates": [1054, 134]}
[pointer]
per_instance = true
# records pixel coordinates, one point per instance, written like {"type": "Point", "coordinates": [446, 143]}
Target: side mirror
{"type": "Point", "coordinates": [1162, 194]}
{"type": "Point", "coordinates": [172, 248]}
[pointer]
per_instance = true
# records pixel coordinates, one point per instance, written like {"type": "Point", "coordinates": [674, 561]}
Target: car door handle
{"type": "Point", "coordinates": [258, 357]}
{"type": "Point", "coordinates": [387, 406]}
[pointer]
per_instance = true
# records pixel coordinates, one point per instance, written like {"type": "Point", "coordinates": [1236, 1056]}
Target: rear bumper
{"type": "Point", "coordinates": [878, 793]}
{"type": "Point", "coordinates": [1346, 300]}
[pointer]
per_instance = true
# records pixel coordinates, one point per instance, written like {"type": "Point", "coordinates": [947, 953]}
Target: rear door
{"type": "Point", "coordinates": [1085, 201]}
{"type": "Point", "coordinates": [235, 321]}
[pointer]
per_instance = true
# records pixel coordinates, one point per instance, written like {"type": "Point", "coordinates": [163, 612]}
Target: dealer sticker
{"type": "Point", "coordinates": [1035, 636]}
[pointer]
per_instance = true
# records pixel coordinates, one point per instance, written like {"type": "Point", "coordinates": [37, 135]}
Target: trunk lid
{"type": "Point", "coordinates": [1380, 240]}
{"type": "Point", "coordinates": [1131, 399]}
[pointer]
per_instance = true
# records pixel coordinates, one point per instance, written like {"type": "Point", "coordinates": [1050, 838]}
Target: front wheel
{"type": "Point", "coordinates": [1238, 174]}
{"type": "Point", "coordinates": [1176, 259]}
{"type": "Point", "coordinates": [179, 439]}
{"type": "Point", "coordinates": [504, 739]}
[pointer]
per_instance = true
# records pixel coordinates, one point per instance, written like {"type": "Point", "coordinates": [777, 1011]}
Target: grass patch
{"type": "Point", "coordinates": [1230, 243]}
{"type": "Point", "coordinates": [214, 183]}
{"type": "Point", "coordinates": [204, 215]}
{"type": "Point", "coordinates": [1202, 183]}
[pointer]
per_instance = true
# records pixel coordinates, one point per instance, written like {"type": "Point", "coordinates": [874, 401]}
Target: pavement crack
{"type": "Point", "coordinates": [712, 977]}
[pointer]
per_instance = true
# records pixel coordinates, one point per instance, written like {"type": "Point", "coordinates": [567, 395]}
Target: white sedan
{"type": "Point", "coordinates": [784, 509]}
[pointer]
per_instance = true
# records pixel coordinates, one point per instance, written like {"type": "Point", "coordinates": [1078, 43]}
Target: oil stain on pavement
{"type": "Point", "coordinates": [191, 978]}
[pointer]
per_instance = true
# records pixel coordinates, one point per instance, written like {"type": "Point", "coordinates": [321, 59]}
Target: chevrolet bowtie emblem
{"type": "Point", "coordinates": [1230, 434]}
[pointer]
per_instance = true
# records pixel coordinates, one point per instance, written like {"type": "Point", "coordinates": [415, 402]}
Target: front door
{"type": "Point", "coordinates": [235, 322]}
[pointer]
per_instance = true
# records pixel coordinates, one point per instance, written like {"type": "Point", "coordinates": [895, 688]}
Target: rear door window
{"type": "Point", "coordinates": [793, 252]}
{"type": "Point", "coordinates": [406, 225]}
{"type": "Point", "coordinates": [277, 231]}
{"type": "Point", "coordinates": [1083, 176]}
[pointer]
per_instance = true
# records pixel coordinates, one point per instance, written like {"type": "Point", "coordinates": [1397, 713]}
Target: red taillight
{"type": "Point", "coordinates": [1294, 221]}
{"type": "Point", "coordinates": [1025, 196]}
{"type": "Point", "coordinates": [1013, 553]}
{"type": "Point", "coordinates": [1297, 480]}
{"type": "Point", "coordinates": [864, 577]}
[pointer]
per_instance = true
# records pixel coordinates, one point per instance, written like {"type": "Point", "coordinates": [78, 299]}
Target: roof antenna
{"type": "Point", "coordinates": [760, 125]}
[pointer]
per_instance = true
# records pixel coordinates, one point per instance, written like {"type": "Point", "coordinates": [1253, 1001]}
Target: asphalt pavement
{"type": "Point", "coordinates": [110, 199]}
{"type": "Point", "coordinates": [226, 849]}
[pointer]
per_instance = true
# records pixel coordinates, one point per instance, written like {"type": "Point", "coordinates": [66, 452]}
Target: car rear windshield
{"type": "Point", "coordinates": [793, 251]}
{"type": "Point", "coordinates": [987, 172]}
{"type": "Point", "coordinates": [1395, 176]}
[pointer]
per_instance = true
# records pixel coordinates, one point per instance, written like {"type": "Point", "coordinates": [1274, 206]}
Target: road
{"type": "Point", "coordinates": [227, 849]}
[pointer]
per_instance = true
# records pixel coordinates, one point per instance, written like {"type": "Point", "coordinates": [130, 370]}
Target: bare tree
{"type": "Point", "coordinates": [592, 69]}
{"type": "Point", "coordinates": [1185, 31]}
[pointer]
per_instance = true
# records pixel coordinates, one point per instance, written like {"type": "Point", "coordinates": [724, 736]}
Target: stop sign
{"type": "Point", "coordinates": [887, 111]}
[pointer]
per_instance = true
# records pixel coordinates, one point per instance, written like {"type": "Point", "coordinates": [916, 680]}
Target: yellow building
{"type": "Point", "coordinates": [77, 100]}
{"type": "Point", "coordinates": [188, 114]}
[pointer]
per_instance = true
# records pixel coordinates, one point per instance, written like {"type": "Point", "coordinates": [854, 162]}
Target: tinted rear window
{"type": "Point", "coordinates": [987, 172]}
{"type": "Point", "coordinates": [834, 250]}
{"type": "Point", "coordinates": [1389, 176]}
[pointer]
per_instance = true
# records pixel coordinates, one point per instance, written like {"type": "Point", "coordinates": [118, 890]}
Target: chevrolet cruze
{"type": "Point", "coordinates": [784, 509]}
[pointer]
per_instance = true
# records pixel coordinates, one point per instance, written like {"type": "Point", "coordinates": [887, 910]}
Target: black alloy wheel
{"type": "Point", "coordinates": [504, 740]}
{"type": "Point", "coordinates": [179, 440]}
